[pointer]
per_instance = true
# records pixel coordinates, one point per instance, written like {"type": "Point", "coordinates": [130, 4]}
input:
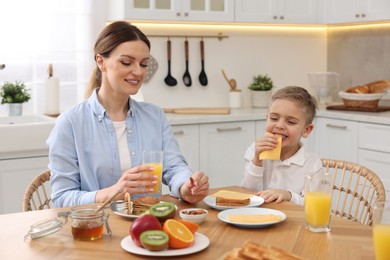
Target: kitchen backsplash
{"type": "Point", "coordinates": [360, 55]}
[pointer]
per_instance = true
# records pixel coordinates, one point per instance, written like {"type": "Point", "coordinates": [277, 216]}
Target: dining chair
{"type": "Point", "coordinates": [36, 196]}
{"type": "Point", "coordinates": [355, 190]}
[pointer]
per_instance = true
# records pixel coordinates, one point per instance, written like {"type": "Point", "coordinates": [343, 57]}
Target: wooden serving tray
{"type": "Point", "coordinates": [363, 109]}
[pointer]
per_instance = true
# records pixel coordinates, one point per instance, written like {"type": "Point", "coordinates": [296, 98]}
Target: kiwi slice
{"type": "Point", "coordinates": [163, 210]}
{"type": "Point", "coordinates": [154, 240]}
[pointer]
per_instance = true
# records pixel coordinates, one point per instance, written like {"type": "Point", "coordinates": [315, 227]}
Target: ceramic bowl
{"type": "Point", "coordinates": [196, 215]}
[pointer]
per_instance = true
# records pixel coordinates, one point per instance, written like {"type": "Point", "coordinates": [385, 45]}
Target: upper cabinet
{"type": "Point", "coordinates": [346, 11]}
{"type": "Point", "coordinates": [173, 10]}
{"type": "Point", "coordinates": [277, 11]}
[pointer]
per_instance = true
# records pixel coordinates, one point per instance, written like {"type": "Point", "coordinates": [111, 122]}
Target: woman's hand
{"type": "Point", "coordinates": [196, 188]}
{"type": "Point", "coordinates": [277, 195]}
{"type": "Point", "coordinates": [134, 181]}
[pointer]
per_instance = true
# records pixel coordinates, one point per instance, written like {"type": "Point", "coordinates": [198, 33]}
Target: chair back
{"type": "Point", "coordinates": [36, 196]}
{"type": "Point", "coordinates": [355, 190]}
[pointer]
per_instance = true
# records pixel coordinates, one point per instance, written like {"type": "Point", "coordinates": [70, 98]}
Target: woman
{"type": "Point", "coordinates": [95, 148]}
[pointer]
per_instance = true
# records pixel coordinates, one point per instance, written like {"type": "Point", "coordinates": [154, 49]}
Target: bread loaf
{"type": "Point", "coordinates": [378, 86]}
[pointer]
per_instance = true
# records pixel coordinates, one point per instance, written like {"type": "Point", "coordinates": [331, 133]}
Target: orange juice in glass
{"type": "Point", "coordinates": [318, 201]}
{"type": "Point", "coordinates": [381, 230]}
{"type": "Point", "coordinates": [155, 160]}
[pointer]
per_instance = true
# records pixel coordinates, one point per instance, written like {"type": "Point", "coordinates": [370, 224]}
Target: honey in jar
{"type": "Point", "coordinates": [87, 224]}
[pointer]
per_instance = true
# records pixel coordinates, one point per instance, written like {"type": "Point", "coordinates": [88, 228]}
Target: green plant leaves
{"type": "Point", "coordinates": [261, 83]}
{"type": "Point", "coordinates": [14, 92]}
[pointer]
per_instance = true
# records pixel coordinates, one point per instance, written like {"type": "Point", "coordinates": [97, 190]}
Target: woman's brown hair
{"type": "Point", "coordinates": [112, 35]}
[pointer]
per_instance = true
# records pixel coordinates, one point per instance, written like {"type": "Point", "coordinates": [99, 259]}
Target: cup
{"type": "Point", "coordinates": [154, 159]}
{"type": "Point", "coordinates": [381, 230]}
{"type": "Point", "coordinates": [318, 201]}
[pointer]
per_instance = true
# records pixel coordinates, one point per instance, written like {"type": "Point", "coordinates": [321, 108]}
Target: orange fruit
{"type": "Point", "coordinates": [179, 235]}
{"type": "Point", "coordinates": [193, 227]}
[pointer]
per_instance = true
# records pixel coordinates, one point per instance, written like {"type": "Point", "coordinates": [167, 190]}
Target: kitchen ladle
{"type": "Point", "coordinates": [186, 76]}
{"type": "Point", "coordinates": [169, 79]}
{"type": "Point", "coordinates": [232, 82]}
{"type": "Point", "coordinates": [202, 76]}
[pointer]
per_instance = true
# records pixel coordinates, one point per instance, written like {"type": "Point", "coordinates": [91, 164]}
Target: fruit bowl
{"type": "Point", "coordinates": [196, 215]}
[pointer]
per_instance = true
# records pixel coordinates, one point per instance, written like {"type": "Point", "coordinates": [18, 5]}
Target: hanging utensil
{"type": "Point", "coordinates": [202, 76]}
{"type": "Point", "coordinates": [169, 79]}
{"type": "Point", "coordinates": [152, 67]}
{"type": "Point", "coordinates": [186, 76]}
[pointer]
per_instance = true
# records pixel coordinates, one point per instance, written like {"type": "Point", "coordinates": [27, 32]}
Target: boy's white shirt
{"type": "Point", "coordinates": [276, 174]}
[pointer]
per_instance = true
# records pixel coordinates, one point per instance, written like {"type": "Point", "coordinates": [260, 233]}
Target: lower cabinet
{"type": "Point", "coordinates": [337, 139]}
{"type": "Point", "coordinates": [222, 148]}
{"type": "Point", "coordinates": [15, 175]}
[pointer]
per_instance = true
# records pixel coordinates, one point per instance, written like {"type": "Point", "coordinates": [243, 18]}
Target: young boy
{"type": "Point", "coordinates": [291, 113]}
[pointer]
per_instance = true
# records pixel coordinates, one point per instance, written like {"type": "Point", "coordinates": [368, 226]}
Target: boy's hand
{"type": "Point", "coordinates": [264, 143]}
{"type": "Point", "coordinates": [277, 195]}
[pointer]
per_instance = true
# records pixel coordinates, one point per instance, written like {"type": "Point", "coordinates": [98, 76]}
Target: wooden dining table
{"type": "Point", "coordinates": [346, 240]}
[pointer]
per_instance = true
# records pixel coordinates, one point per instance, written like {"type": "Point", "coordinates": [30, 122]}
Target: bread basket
{"type": "Point", "coordinates": [361, 100]}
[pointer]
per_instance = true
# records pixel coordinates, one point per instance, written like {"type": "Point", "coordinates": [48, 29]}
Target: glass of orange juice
{"type": "Point", "coordinates": [318, 200]}
{"type": "Point", "coordinates": [154, 159]}
{"type": "Point", "coordinates": [381, 230]}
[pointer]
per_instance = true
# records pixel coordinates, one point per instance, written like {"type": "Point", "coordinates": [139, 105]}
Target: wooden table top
{"type": "Point", "coordinates": [346, 240]}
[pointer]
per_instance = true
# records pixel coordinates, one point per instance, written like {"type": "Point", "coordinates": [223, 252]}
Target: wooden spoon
{"type": "Point", "coordinates": [232, 82]}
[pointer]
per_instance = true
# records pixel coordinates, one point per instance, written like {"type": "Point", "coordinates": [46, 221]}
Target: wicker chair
{"type": "Point", "coordinates": [36, 195]}
{"type": "Point", "coordinates": [355, 190]}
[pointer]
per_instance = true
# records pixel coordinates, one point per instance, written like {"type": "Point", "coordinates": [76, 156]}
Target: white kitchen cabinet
{"type": "Point", "coordinates": [277, 11]}
{"type": "Point", "coordinates": [172, 10]}
{"type": "Point", "coordinates": [374, 151]}
{"type": "Point", "coordinates": [222, 149]}
{"type": "Point", "coordinates": [15, 175]}
{"type": "Point", "coordinates": [337, 139]}
{"type": "Point", "coordinates": [347, 11]}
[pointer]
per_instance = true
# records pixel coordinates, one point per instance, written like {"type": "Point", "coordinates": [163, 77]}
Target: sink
{"type": "Point", "coordinates": [24, 136]}
{"type": "Point", "coordinates": [30, 119]}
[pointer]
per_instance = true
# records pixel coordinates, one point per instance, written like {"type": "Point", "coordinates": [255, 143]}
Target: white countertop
{"type": "Point", "coordinates": [250, 114]}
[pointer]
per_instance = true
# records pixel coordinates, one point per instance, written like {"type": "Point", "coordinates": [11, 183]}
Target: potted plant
{"type": "Point", "coordinates": [14, 94]}
{"type": "Point", "coordinates": [261, 88]}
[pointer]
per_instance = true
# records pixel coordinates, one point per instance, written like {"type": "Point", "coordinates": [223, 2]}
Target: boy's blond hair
{"type": "Point", "coordinates": [301, 97]}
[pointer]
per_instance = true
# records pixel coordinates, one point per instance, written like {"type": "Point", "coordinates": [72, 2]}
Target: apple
{"type": "Point", "coordinates": [141, 224]}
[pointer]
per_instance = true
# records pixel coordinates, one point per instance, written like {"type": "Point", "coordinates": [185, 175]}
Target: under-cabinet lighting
{"type": "Point", "coordinates": [230, 27]}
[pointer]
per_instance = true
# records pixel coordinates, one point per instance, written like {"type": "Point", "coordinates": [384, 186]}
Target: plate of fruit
{"type": "Point", "coordinates": [149, 237]}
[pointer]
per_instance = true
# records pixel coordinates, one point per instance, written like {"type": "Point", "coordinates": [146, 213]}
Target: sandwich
{"type": "Point", "coordinates": [273, 154]}
{"type": "Point", "coordinates": [231, 198]}
{"type": "Point", "coordinates": [142, 204]}
{"type": "Point", "coordinates": [254, 218]}
{"type": "Point", "coordinates": [253, 250]}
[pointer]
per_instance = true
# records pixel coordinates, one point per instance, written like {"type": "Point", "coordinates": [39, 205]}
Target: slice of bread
{"type": "Point", "coordinates": [273, 154]}
{"type": "Point", "coordinates": [231, 198]}
{"type": "Point", "coordinates": [252, 250]}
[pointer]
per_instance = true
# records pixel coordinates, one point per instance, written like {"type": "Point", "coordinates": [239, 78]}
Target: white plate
{"type": "Point", "coordinates": [254, 201]}
{"type": "Point", "coordinates": [200, 243]}
{"type": "Point", "coordinates": [131, 216]}
{"type": "Point", "coordinates": [250, 211]}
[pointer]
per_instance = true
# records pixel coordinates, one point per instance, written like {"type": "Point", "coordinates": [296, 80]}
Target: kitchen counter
{"type": "Point", "coordinates": [250, 114]}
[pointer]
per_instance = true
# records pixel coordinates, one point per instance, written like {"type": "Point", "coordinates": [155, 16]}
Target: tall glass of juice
{"type": "Point", "coordinates": [318, 200]}
{"type": "Point", "coordinates": [154, 159]}
{"type": "Point", "coordinates": [381, 230]}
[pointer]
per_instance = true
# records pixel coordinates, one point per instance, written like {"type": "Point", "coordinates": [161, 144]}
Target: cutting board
{"type": "Point", "coordinates": [363, 109]}
{"type": "Point", "coordinates": [199, 110]}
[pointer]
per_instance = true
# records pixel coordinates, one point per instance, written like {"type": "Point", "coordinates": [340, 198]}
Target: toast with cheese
{"type": "Point", "coordinates": [273, 154]}
{"type": "Point", "coordinates": [254, 218]}
{"type": "Point", "coordinates": [231, 198]}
